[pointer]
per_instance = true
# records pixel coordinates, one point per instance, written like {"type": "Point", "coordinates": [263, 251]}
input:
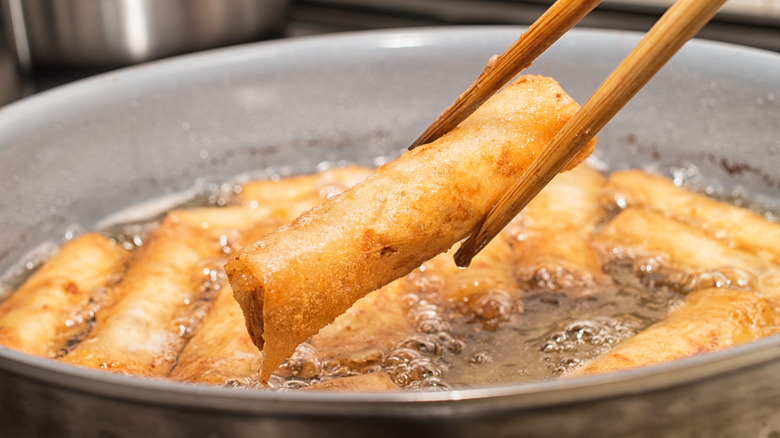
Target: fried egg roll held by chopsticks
{"type": "Point", "coordinates": [300, 278]}
{"type": "Point", "coordinates": [34, 318]}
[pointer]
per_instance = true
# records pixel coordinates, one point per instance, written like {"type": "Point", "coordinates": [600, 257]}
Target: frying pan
{"type": "Point", "coordinates": [72, 156]}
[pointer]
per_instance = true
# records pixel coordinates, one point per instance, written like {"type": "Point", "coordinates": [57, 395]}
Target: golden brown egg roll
{"type": "Point", "coordinates": [220, 352]}
{"type": "Point", "coordinates": [553, 234]}
{"type": "Point", "coordinates": [368, 330]}
{"type": "Point", "coordinates": [641, 233]}
{"type": "Point", "coordinates": [35, 318]}
{"type": "Point", "coordinates": [321, 185]}
{"type": "Point", "coordinates": [487, 289]}
{"type": "Point", "coordinates": [742, 228]}
{"type": "Point", "coordinates": [300, 278]}
{"type": "Point", "coordinates": [219, 219]}
{"type": "Point", "coordinates": [139, 332]}
{"type": "Point", "coordinates": [376, 381]}
{"type": "Point", "coordinates": [708, 320]}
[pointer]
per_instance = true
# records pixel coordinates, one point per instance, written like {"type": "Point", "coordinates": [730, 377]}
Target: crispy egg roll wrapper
{"type": "Point", "coordinates": [644, 233]}
{"type": "Point", "coordinates": [707, 320]}
{"type": "Point", "coordinates": [376, 381]}
{"type": "Point", "coordinates": [300, 278]}
{"type": "Point", "coordinates": [138, 332]}
{"type": "Point", "coordinates": [553, 234]}
{"type": "Point", "coordinates": [34, 319]}
{"type": "Point", "coordinates": [742, 228]}
{"type": "Point", "coordinates": [321, 185]}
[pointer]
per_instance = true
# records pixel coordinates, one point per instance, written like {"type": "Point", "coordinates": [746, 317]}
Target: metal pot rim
{"type": "Point", "coordinates": [473, 401]}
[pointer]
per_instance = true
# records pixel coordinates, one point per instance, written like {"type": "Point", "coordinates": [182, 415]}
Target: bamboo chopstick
{"type": "Point", "coordinates": [679, 24]}
{"type": "Point", "coordinates": [555, 22]}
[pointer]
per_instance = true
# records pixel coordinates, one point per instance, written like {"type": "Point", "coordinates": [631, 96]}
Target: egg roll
{"type": "Point", "coordinates": [220, 351]}
{"type": "Point", "coordinates": [376, 381]}
{"type": "Point", "coordinates": [321, 185]}
{"type": "Point", "coordinates": [35, 319]}
{"type": "Point", "coordinates": [487, 290]}
{"type": "Point", "coordinates": [740, 227]}
{"type": "Point", "coordinates": [368, 330]}
{"type": "Point", "coordinates": [300, 278]}
{"type": "Point", "coordinates": [639, 233]}
{"type": "Point", "coordinates": [219, 219]}
{"type": "Point", "coordinates": [708, 320]}
{"type": "Point", "coordinates": [553, 234]}
{"type": "Point", "coordinates": [140, 331]}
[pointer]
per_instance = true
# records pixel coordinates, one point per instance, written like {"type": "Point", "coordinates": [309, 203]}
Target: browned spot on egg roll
{"type": "Point", "coordinates": [300, 278]}
{"type": "Point", "coordinates": [376, 381]}
{"type": "Point", "coordinates": [35, 318]}
{"type": "Point", "coordinates": [708, 320]}
{"type": "Point", "coordinates": [742, 228]}
{"type": "Point", "coordinates": [139, 331]}
{"type": "Point", "coordinates": [553, 234]}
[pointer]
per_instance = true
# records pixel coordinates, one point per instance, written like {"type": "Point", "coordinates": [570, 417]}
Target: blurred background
{"type": "Point", "coordinates": [45, 43]}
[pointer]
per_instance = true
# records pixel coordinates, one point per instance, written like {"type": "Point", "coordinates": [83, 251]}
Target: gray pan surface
{"type": "Point", "coordinates": [72, 156]}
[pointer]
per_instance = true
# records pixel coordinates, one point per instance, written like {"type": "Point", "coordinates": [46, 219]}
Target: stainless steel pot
{"type": "Point", "coordinates": [120, 32]}
{"type": "Point", "coordinates": [10, 65]}
{"type": "Point", "coordinates": [78, 153]}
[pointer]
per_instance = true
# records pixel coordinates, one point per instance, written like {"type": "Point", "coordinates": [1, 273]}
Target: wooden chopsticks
{"type": "Point", "coordinates": [555, 22]}
{"type": "Point", "coordinates": [679, 24]}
